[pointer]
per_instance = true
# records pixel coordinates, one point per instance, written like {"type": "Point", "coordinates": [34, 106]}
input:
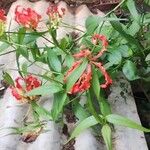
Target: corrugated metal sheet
{"type": "Point", "coordinates": [12, 113]}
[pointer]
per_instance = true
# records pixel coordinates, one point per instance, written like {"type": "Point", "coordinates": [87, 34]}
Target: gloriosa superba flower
{"type": "Point", "coordinates": [84, 81]}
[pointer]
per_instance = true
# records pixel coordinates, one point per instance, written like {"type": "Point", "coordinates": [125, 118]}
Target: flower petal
{"type": "Point", "coordinates": [107, 77]}
{"type": "Point", "coordinates": [83, 83]}
{"type": "Point", "coordinates": [74, 66]}
{"type": "Point", "coordinates": [82, 53]}
{"type": "Point", "coordinates": [27, 17]}
{"type": "Point", "coordinates": [104, 41]}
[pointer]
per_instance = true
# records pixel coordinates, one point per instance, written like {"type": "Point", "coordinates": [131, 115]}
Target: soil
{"type": "Point", "coordinates": [70, 118]}
{"type": "Point", "coordinates": [69, 145]}
{"type": "Point", "coordinates": [6, 4]}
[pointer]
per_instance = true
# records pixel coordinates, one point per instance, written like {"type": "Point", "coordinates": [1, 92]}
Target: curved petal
{"type": "Point", "coordinates": [107, 77]}
{"type": "Point", "coordinates": [104, 41]}
{"type": "Point", "coordinates": [74, 66]}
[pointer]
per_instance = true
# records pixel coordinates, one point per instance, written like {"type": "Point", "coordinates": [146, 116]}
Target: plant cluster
{"type": "Point", "coordinates": [82, 66]}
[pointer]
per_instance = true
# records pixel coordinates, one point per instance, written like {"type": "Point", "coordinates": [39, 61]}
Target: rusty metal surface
{"type": "Point", "coordinates": [103, 5]}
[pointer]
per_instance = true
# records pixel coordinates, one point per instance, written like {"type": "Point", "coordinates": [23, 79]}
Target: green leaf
{"type": "Point", "coordinates": [91, 24]}
{"type": "Point", "coordinates": [125, 51]}
{"type": "Point", "coordinates": [8, 79]}
{"type": "Point", "coordinates": [42, 112]}
{"type": "Point", "coordinates": [119, 120]}
{"type": "Point", "coordinates": [53, 60]}
{"type": "Point", "coordinates": [21, 35]}
{"type": "Point", "coordinates": [115, 57]}
{"type": "Point", "coordinates": [147, 57]}
{"type": "Point", "coordinates": [105, 107]}
{"type": "Point", "coordinates": [83, 125]}
{"type": "Point", "coordinates": [25, 69]}
{"type": "Point", "coordinates": [29, 38]}
{"type": "Point", "coordinates": [87, 41]}
{"type": "Point", "coordinates": [134, 28]}
{"type": "Point", "coordinates": [106, 30]}
{"type": "Point", "coordinates": [131, 40]}
{"type": "Point", "coordinates": [92, 107]}
{"type": "Point", "coordinates": [3, 46]}
{"type": "Point", "coordinates": [30, 127]}
{"type": "Point", "coordinates": [45, 90]}
{"type": "Point", "coordinates": [75, 75]}
{"type": "Point", "coordinates": [130, 71]}
{"type": "Point", "coordinates": [69, 60]}
{"type": "Point", "coordinates": [95, 83]}
{"type": "Point", "coordinates": [35, 51]}
{"type": "Point", "coordinates": [23, 52]}
{"type": "Point", "coordinates": [147, 2]}
{"type": "Point", "coordinates": [64, 43]}
{"type": "Point", "coordinates": [80, 112]}
{"type": "Point", "coordinates": [58, 104]}
{"type": "Point", "coordinates": [132, 8]}
{"type": "Point", "coordinates": [106, 133]}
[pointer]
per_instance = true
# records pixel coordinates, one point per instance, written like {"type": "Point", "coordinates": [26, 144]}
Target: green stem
{"type": "Point", "coordinates": [72, 27]}
{"type": "Point", "coordinates": [18, 65]}
{"type": "Point", "coordinates": [75, 98]}
{"type": "Point", "coordinates": [115, 8]}
{"type": "Point", "coordinates": [92, 109]}
{"type": "Point", "coordinates": [8, 52]}
{"type": "Point", "coordinates": [56, 42]}
{"type": "Point", "coordinates": [48, 78]}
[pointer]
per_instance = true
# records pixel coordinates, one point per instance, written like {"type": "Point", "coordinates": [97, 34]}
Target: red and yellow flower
{"type": "Point", "coordinates": [24, 85]}
{"type": "Point", "coordinates": [27, 17]}
{"type": "Point", "coordinates": [83, 83]}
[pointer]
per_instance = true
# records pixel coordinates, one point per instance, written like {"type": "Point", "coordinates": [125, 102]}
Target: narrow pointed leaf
{"type": "Point", "coordinates": [21, 35]}
{"type": "Point", "coordinates": [3, 46]}
{"type": "Point", "coordinates": [58, 104]}
{"type": "Point", "coordinates": [8, 79]}
{"type": "Point", "coordinates": [42, 112]}
{"type": "Point", "coordinates": [131, 40]}
{"type": "Point", "coordinates": [45, 90]}
{"type": "Point", "coordinates": [132, 8]}
{"type": "Point", "coordinates": [53, 60]}
{"type": "Point", "coordinates": [123, 121]}
{"type": "Point", "coordinates": [105, 107]}
{"type": "Point", "coordinates": [95, 84]}
{"type": "Point", "coordinates": [83, 125]}
{"type": "Point", "coordinates": [75, 75]}
{"type": "Point", "coordinates": [106, 133]}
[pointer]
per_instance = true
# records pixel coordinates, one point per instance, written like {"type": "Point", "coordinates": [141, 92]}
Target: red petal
{"type": "Point", "coordinates": [83, 83]}
{"type": "Point", "coordinates": [104, 41]}
{"type": "Point", "coordinates": [18, 83]}
{"type": "Point", "coordinates": [82, 53]}
{"type": "Point", "coordinates": [16, 94]}
{"type": "Point", "coordinates": [32, 82]}
{"type": "Point", "coordinates": [27, 17]}
{"type": "Point", "coordinates": [2, 15]}
{"type": "Point", "coordinates": [74, 66]}
{"type": "Point", "coordinates": [107, 77]}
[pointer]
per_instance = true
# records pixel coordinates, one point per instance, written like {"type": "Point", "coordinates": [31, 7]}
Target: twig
{"type": "Point", "coordinates": [115, 8]}
{"type": "Point", "coordinates": [7, 52]}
